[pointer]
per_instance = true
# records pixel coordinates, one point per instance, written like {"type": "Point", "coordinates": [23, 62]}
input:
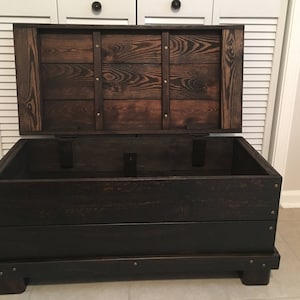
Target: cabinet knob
{"type": "Point", "coordinates": [96, 6]}
{"type": "Point", "coordinates": [176, 4]}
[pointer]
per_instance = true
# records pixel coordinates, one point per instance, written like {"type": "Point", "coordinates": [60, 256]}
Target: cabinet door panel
{"type": "Point", "coordinates": [108, 12]}
{"type": "Point", "coordinates": [161, 12]}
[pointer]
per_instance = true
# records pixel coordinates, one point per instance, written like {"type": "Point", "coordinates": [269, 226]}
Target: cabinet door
{"type": "Point", "coordinates": [101, 12]}
{"type": "Point", "coordinates": [174, 12]}
{"type": "Point", "coordinates": [264, 22]}
{"type": "Point", "coordinates": [15, 11]}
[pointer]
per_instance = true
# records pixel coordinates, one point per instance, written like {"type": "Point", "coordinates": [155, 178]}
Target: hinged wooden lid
{"type": "Point", "coordinates": [129, 79]}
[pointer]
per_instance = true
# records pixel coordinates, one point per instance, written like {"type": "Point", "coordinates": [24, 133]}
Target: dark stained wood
{"type": "Point", "coordinates": [194, 114]}
{"type": "Point", "coordinates": [132, 47]}
{"type": "Point", "coordinates": [128, 239]}
{"type": "Point", "coordinates": [132, 114]}
{"type": "Point", "coordinates": [27, 64]}
{"type": "Point", "coordinates": [66, 47]}
{"type": "Point", "coordinates": [199, 81]}
{"type": "Point", "coordinates": [67, 81]}
{"type": "Point", "coordinates": [256, 277]}
{"type": "Point", "coordinates": [140, 268]}
{"type": "Point", "coordinates": [165, 80]}
{"type": "Point", "coordinates": [12, 285]}
{"type": "Point", "coordinates": [69, 115]}
{"type": "Point", "coordinates": [232, 78]}
{"type": "Point", "coordinates": [195, 47]}
{"type": "Point", "coordinates": [126, 81]}
{"type": "Point", "coordinates": [135, 201]}
{"type": "Point", "coordinates": [99, 111]}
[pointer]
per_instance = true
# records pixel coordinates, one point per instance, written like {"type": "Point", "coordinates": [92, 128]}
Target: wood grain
{"type": "Point", "coordinates": [132, 114]}
{"type": "Point", "coordinates": [232, 78]}
{"type": "Point", "coordinates": [66, 47]}
{"type": "Point", "coordinates": [126, 81]}
{"type": "Point", "coordinates": [194, 114]}
{"type": "Point", "coordinates": [28, 79]}
{"type": "Point", "coordinates": [197, 81]}
{"type": "Point", "coordinates": [69, 115]}
{"type": "Point", "coordinates": [193, 48]}
{"type": "Point", "coordinates": [67, 81]}
{"type": "Point", "coordinates": [131, 48]}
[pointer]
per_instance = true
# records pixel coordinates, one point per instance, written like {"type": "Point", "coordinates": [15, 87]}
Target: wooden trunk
{"type": "Point", "coordinates": [130, 187]}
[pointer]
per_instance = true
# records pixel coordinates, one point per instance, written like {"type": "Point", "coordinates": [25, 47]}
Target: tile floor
{"type": "Point", "coordinates": [284, 284]}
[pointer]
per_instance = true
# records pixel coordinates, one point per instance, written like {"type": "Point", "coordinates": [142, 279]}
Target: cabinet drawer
{"type": "Point", "coordinates": [102, 12]}
{"type": "Point", "coordinates": [174, 11]}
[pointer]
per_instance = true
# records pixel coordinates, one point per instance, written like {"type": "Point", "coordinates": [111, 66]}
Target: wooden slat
{"type": "Point", "coordinates": [99, 113]}
{"type": "Point", "coordinates": [232, 75]}
{"type": "Point", "coordinates": [27, 64]}
{"type": "Point", "coordinates": [65, 48]}
{"type": "Point", "coordinates": [136, 239]}
{"type": "Point", "coordinates": [198, 81]}
{"type": "Point", "coordinates": [195, 48]}
{"type": "Point", "coordinates": [131, 48]}
{"type": "Point", "coordinates": [194, 114]}
{"type": "Point", "coordinates": [132, 114]}
{"type": "Point", "coordinates": [165, 80]}
{"type": "Point", "coordinates": [127, 81]}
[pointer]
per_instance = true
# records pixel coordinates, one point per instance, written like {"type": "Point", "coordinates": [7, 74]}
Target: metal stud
{"type": "Point", "coordinates": [98, 114]}
{"type": "Point", "coordinates": [273, 212]}
{"type": "Point", "coordinates": [166, 115]}
{"type": "Point", "coordinates": [276, 185]}
{"type": "Point", "coordinates": [97, 78]}
{"type": "Point", "coordinates": [165, 81]}
{"type": "Point", "coordinates": [1, 273]}
{"type": "Point", "coordinates": [97, 45]}
{"type": "Point", "coordinates": [263, 265]}
{"type": "Point", "coordinates": [251, 261]}
{"type": "Point", "coordinates": [166, 47]}
{"type": "Point", "coordinates": [135, 264]}
{"type": "Point", "coordinates": [14, 269]}
{"type": "Point", "coordinates": [271, 228]}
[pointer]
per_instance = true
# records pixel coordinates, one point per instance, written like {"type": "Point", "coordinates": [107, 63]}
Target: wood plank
{"type": "Point", "coordinates": [129, 239]}
{"type": "Point", "coordinates": [197, 81]}
{"type": "Point", "coordinates": [132, 114]}
{"type": "Point", "coordinates": [28, 79]}
{"type": "Point", "coordinates": [66, 47]}
{"type": "Point", "coordinates": [195, 48]}
{"type": "Point", "coordinates": [195, 114]}
{"type": "Point", "coordinates": [115, 200]}
{"type": "Point", "coordinates": [126, 81]}
{"type": "Point", "coordinates": [99, 111]}
{"type": "Point", "coordinates": [166, 80]}
{"type": "Point", "coordinates": [67, 81]}
{"type": "Point", "coordinates": [139, 267]}
{"type": "Point", "coordinates": [232, 78]}
{"type": "Point", "coordinates": [131, 48]}
{"type": "Point", "coordinates": [69, 115]}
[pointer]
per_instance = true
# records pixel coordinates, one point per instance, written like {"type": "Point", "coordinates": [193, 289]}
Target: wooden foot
{"type": "Point", "coordinates": [12, 285]}
{"type": "Point", "coordinates": [254, 277]}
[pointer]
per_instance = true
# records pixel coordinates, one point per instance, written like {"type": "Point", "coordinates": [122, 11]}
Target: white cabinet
{"type": "Point", "coordinates": [101, 12]}
{"type": "Point", "coordinates": [15, 11]}
{"type": "Point", "coordinates": [174, 12]}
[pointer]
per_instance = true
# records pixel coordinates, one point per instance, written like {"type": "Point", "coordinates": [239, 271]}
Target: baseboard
{"type": "Point", "coordinates": [290, 199]}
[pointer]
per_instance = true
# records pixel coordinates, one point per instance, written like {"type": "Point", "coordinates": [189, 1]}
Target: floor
{"type": "Point", "coordinates": [284, 284]}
